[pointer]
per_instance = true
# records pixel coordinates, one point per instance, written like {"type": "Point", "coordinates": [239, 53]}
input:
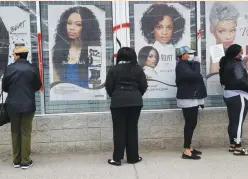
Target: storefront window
{"type": "Point", "coordinates": [18, 26]}
{"type": "Point", "coordinates": [157, 30]}
{"type": "Point", "coordinates": [77, 44]}
{"type": "Point", "coordinates": [78, 48]}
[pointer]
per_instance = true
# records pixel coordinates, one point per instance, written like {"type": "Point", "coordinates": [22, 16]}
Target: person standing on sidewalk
{"type": "Point", "coordinates": [234, 78]}
{"type": "Point", "coordinates": [191, 92]}
{"type": "Point", "coordinates": [125, 84]}
{"type": "Point", "coordinates": [21, 80]}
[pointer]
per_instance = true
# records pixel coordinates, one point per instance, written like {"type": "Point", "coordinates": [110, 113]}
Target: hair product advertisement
{"type": "Point", "coordinates": [159, 30]}
{"type": "Point", "coordinates": [226, 24]}
{"type": "Point", "coordinates": [14, 31]}
{"type": "Point", "coordinates": [77, 52]}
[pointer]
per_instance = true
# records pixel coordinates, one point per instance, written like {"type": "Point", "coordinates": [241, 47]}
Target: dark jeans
{"type": "Point", "coordinates": [125, 131]}
{"type": "Point", "coordinates": [237, 108]}
{"type": "Point", "coordinates": [190, 116]}
{"type": "Point", "coordinates": [21, 128]}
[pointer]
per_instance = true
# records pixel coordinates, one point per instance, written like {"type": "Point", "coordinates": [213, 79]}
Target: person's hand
{"type": "Point", "coordinates": [196, 59]}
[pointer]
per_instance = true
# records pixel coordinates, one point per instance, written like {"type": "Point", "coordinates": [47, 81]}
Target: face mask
{"type": "Point", "coordinates": [242, 57]}
{"type": "Point", "coordinates": [191, 58]}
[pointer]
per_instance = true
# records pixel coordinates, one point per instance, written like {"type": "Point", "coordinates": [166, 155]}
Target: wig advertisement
{"type": "Point", "coordinates": [159, 30]}
{"type": "Point", "coordinates": [14, 31]}
{"type": "Point", "coordinates": [226, 24]}
{"type": "Point", "coordinates": [77, 52]}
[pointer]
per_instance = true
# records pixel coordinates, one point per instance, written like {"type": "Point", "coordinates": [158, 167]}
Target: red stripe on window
{"type": "Point", "coordinates": [124, 25]}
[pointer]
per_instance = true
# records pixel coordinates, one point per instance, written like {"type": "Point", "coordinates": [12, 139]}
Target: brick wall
{"type": "Point", "coordinates": [92, 132]}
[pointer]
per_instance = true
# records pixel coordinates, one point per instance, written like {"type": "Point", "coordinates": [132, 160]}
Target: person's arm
{"type": "Point", "coordinates": [197, 67]}
{"type": "Point", "coordinates": [110, 81]}
{"type": "Point", "coordinates": [184, 72]}
{"type": "Point", "coordinates": [142, 82]}
{"type": "Point", "coordinates": [5, 80]}
{"type": "Point", "coordinates": [37, 81]}
{"type": "Point", "coordinates": [240, 75]}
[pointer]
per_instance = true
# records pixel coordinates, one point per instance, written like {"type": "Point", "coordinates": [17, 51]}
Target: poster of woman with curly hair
{"type": "Point", "coordinates": [226, 24]}
{"type": "Point", "coordinates": [159, 30]}
{"type": "Point", "coordinates": [77, 57]}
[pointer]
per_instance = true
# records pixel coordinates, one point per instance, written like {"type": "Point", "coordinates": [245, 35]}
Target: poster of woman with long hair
{"type": "Point", "coordinates": [226, 24]}
{"type": "Point", "coordinates": [159, 30]}
{"type": "Point", "coordinates": [77, 52]}
{"type": "Point", "coordinates": [14, 31]}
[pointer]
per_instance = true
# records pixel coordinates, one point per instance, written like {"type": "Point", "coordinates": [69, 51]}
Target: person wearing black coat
{"type": "Point", "coordinates": [191, 92]}
{"type": "Point", "coordinates": [234, 78]}
{"type": "Point", "coordinates": [126, 84]}
{"type": "Point", "coordinates": [21, 80]}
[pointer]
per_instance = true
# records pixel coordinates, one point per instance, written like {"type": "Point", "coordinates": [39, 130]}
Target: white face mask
{"type": "Point", "coordinates": [191, 58]}
{"type": "Point", "coordinates": [243, 57]}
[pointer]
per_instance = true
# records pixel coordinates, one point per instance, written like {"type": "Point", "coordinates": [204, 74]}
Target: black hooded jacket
{"type": "Point", "coordinates": [233, 74]}
{"type": "Point", "coordinates": [189, 81]}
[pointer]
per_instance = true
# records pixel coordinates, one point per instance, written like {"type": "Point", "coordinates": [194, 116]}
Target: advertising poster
{"type": "Point", "coordinates": [14, 31]}
{"type": "Point", "coordinates": [226, 24]}
{"type": "Point", "coordinates": [77, 52]}
{"type": "Point", "coordinates": [159, 30]}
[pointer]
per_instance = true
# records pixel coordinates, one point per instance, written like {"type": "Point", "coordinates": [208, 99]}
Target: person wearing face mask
{"type": "Point", "coordinates": [234, 79]}
{"type": "Point", "coordinates": [191, 92]}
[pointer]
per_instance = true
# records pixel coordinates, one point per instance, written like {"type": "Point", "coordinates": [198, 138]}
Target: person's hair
{"type": "Point", "coordinates": [127, 54]}
{"type": "Point", "coordinates": [223, 11]}
{"type": "Point", "coordinates": [22, 55]}
{"type": "Point", "coordinates": [144, 53]}
{"type": "Point", "coordinates": [230, 54]}
{"type": "Point", "coordinates": [4, 46]}
{"type": "Point", "coordinates": [154, 14]}
{"type": "Point", "coordinates": [90, 36]}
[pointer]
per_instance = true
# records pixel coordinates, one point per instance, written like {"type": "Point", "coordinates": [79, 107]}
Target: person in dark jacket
{"type": "Point", "coordinates": [126, 84]}
{"type": "Point", "coordinates": [234, 78]}
{"type": "Point", "coordinates": [21, 80]}
{"type": "Point", "coordinates": [191, 92]}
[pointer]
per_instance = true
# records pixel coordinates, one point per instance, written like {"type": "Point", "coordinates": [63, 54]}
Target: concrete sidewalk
{"type": "Point", "coordinates": [215, 164]}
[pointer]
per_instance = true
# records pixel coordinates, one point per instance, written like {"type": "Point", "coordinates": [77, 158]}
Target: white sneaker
{"type": "Point", "coordinates": [16, 166]}
{"type": "Point", "coordinates": [26, 166]}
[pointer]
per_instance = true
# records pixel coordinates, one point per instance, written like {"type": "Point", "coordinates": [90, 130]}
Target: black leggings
{"type": "Point", "coordinates": [190, 116]}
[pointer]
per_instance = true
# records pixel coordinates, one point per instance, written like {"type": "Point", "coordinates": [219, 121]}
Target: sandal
{"type": "Point", "coordinates": [231, 149]}
{"type": "Point", "coordinates": [241, 152]}
{"type": "Point", "coordinates": [112, 162]}
{"type": "Point", "coordinates": [192, 156]}
{"type": "Point", "coordinates": [196, 152]}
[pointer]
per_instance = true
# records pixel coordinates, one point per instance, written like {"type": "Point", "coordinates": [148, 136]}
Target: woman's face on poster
{"type": "Point", "coordinates": [74, 26]}
{"type": "Point", "coordinates": [225, 32]}
{"type": "Point", "coordinates": [151, 60]}
{"type": "Point", "coordinates": [163, 31]}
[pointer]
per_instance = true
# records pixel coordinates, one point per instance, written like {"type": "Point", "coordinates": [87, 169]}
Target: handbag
{"type": "Point", "coordinates": [4, 117]}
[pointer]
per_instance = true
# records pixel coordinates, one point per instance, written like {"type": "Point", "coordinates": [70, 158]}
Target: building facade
{"type": "Point", "coordinates": [73, 107]}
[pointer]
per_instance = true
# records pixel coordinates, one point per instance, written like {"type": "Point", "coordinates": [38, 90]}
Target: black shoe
{"type": "Point", "coordinates": [196, 152]}
{"type": "Point", "coordinates": [192, 156]}
{"type": "Point", "coordinates": [241, 152]}
{"type": "Point", "coordinates": [136, 161]}
{"type": "Point", "coordinates": [231, 149]}
{"type": "Point", "coordinates": [112, 162]}
{"type": "Point", "coordinates": [27, 165]}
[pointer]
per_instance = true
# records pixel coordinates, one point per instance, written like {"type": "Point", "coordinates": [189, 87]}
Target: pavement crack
{"type": "Point", "coordinates": [136, 172]}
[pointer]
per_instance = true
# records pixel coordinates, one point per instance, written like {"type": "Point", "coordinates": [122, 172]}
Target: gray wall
{"type": "Point", "coordinates": [92, 132]}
